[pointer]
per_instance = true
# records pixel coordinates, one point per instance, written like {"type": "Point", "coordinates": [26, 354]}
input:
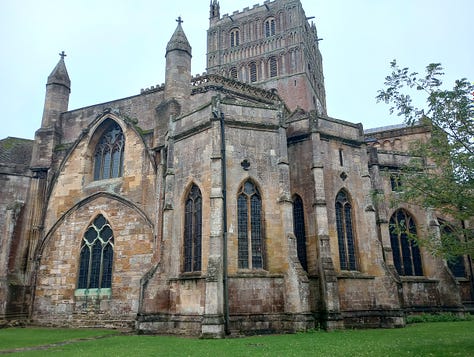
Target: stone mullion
{"type": "Point", "coordinates": [329, 286]}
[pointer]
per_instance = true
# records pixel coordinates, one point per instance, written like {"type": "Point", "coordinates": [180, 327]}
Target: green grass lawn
{"type": "Point", "coordinates": [426, 339]}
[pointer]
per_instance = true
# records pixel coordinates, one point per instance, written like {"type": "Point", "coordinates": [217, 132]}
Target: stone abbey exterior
{"type": "Point", "coordinates": [228, 202]}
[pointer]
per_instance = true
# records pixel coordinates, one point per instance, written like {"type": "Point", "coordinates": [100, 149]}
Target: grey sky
{"type": "Point", "coordinates": [115, 48]}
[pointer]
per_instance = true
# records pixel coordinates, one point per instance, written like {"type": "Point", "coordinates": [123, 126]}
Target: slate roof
{"type": "Point", "coordinates": [16, 151]}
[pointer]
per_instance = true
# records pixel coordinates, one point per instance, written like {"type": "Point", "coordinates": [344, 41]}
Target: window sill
{"type": "Point", "coordinates": [352, 274]}
{"type": "Point", "coordinates": [104, 293]}
{"type": "Point", "coordinates": [188, 276]}
{"type": "Point", "coordinates": [257, 273]}
{"type": "Point", "coordinates": [417, 279]}
{"type": "Point", "coordinates": [103, 182]}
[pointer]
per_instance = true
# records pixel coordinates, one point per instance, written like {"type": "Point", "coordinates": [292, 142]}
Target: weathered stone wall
{"type": "Point", "coordinates": [55, 300]}
{"type": "Point", "coordinates": [437, 288]}
{"type": "Point", "coordinates": [13, 195]}
{"type": "Point", "coordinates": [15, 179]}
{"type": "Point", "coordinates": [138, 110]}
{"type": "Point", "coordinates": [75, 199]}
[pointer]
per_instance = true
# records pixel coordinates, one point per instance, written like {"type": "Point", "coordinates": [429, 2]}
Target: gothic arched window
{"type": "Point", "coordinates": [345, 232]}
{"type": "Point", "coordinates": [253, 72]}
{"type": "Point", "coordinates": [456, 264]}
{"type": "Point", "coordinates": [298, 226]}
{"type": "Point", "coordinates": [406, 254]}
{"type": "Point", "coordinates": [250, 227]}
{"type": "Point", "coordinates": [108, 156]}
{"type": "Point", "coordinates": [233, 73]}
{"type": "Point", "coordinates": [234, 38]}
{"type": "Point", "coordinates": [193, 230]}
{"type": "Point", "coordinates": [269, 27]}
{"type": "Point", "coordinates": [273, 67]}
{"type": "Point", "coordinates": [97, 253]}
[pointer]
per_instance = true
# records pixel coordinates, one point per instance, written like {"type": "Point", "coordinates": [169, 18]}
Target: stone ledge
{"type": "Point", "coordinates": [354, 275]}
{"type": "Point", "coordinates": [84, 293]}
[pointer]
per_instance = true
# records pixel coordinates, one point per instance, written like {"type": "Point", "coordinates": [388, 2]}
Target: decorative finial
{"type": "Point", "coordinates": [179, 20]}
{"type": "Point", "coordinates": [63, 54]}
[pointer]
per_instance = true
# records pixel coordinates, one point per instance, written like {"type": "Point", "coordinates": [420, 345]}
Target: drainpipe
{"type": "Point", "coordinates": [224, 221]}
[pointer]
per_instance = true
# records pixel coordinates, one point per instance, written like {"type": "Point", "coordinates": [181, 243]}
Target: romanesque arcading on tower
{"type": "Point", "coordinates": [271, 46]}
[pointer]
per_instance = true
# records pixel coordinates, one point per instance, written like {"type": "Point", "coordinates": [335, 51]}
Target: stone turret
{"type": "Point", "coordinates": [178, 67]}
{"type": "Point", "coordinates": [214, 11]}
{"type": "Point", "coordinates": [58, 88]}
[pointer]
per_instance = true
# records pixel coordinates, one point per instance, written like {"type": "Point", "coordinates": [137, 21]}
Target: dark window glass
{"type": "Point", "coordinates": [273, 67]}
{"type": "Point", "coordinates": [253, 72]}
{"type": "Point", "coordinates": [249, 221]}
{"type": "Point", "coordinates": [395, 182]}
{"type": "Point", "coordinates": [97, 251]}
{"type": "Point", "coordinates": [406, 254]}
{"type": "Point", "coordinates": [234, 38]}
{"type": "Point", "coordinates": [298, 225]}
{"type": "Point", "coordinates": [345, 232]}
{"type": "Point", "coordinates": [233, 73]}
{"type": "Point", "coordinates": [193, 230]}
{"type": "Point", "coordinates": [269, 27]}
{"type": "Point", "coordinates": [456, 265]}
{"type": "Point", "coordinates": [108, 157]}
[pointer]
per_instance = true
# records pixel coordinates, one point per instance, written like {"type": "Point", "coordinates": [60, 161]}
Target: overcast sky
{"type": "Point", "coordinates": [116, 47]}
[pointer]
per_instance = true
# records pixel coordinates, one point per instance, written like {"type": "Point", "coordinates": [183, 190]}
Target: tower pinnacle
{"type": "Point", "coordinates": [59, 74]}
{"type": "Point", "coordinates": [178, 41]}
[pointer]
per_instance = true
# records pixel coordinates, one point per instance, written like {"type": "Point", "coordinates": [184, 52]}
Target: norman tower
{"type": "Point", "coordinates": [272, 46]}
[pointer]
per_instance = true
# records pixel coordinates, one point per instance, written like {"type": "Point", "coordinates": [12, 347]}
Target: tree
{"type": "Point", "coordinates": [441, 174]}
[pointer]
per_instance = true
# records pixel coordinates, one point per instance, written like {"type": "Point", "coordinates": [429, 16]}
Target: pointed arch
{"type": "Point", "coordinates": [406, 254]}
{"type": "Point", "coordinates": [456, 264]}
{"type": "Point", "coordinates": [96, 255]}
{"type": "Point", "coordinates": [250, 227]}
{"type": "Point", "coordinates": [299, 230]}
{"type": "Point", "coordinates": [192, 230]}
{"type": "Point", "coordinates": [233, 73]}
{"type": "Point", "coordinates": [109, 151]}
{"type": "Point", "coordinates": [345, 232]}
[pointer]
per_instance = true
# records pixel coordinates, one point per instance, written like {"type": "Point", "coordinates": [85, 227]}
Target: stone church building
{"type": "Point", "coordinates": [228, 202]}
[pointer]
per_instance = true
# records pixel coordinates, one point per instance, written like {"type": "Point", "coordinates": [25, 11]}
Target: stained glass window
{"type": "Point", "coordinates": [406, 254]}
{"type": "Point", "coordinates": [108, 156]}
{"type": "Point", "coordinates": [345, 232]}
{"type": "Point", "coordinates": [96, 257]}
{"type": "Point", "coordinates": [193, 230]}
{"type": "Point", "coordinates": [298, 226]}
{"type": "Point", "coordinates": [249, 222]}
{"type": "Point", "coordinates": [456, 264]}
